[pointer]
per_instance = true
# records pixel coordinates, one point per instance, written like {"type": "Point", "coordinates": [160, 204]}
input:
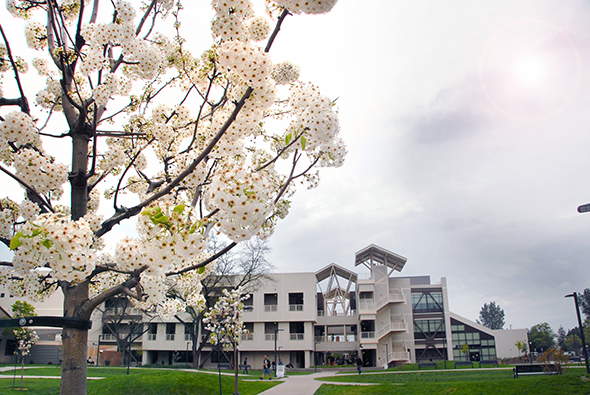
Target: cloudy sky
{"type": "Point", "coordinates": [466, 124]}
{"type": "Point", "coordinates": [467, 130]}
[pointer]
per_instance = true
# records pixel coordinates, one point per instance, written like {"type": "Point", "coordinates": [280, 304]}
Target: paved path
{"type": "Point", "coordinates": [304, 384]}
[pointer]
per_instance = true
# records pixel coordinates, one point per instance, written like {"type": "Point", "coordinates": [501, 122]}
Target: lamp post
{"type": "Point", "coordinates": [575, 296]}
{"type": "Point", "coordinates": [277, 330]}
{"type": "Point", "coordinates": [98, 350]}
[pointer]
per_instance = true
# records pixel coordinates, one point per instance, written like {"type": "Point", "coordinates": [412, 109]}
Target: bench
{"type": "Point", "coordinates": [463, 363]}
{"type": "Point", "coordinates": [527, 370]}
{"type": "Point", "coordinates": [225, 366]}
{"type": "Point", "coordinates": [427, 365]}
{"type": "Point", "coordinates": [488, 362]}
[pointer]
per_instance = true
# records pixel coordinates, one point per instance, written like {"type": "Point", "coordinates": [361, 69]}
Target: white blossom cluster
{"type": "Point", "coordinates": [26, 338]}
{"type": "Point", "coordinates": [67, 246]}
{"type": "Point", "coordinates": [225, 319]}
{"type": "Point", "coordinates": [308, 6]}
{"type": "Point", "coordinates": [145, 141]}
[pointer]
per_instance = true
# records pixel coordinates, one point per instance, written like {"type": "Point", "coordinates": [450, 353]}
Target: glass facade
{"type": "Point", "coordinates": [431, 302]}
{"type": "Point", "coordinates": [482, 346]}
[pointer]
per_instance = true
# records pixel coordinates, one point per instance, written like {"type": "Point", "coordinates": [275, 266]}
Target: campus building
{"type": "Point", "coordinates": [330, 316]}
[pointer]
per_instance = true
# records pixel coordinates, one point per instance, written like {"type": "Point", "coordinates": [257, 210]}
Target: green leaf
{"type": "Point", "coordinates": [16, 242]}
{"type": "Point", "coordinates": [47, 243]}
{"type": "Point", "coordinates": [179, 209]}
{"type": "Point", "coordinates": [288, 138]}
{"type": "Point", "coordinates": [303, 142]}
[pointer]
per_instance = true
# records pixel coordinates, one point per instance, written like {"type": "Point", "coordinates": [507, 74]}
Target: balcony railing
{"type": "Point", "coordinates": [296, 336]}
{"type": "Point", "coordinates": [108, 337]}
{"type": "Point", "coordinates": [152, 337]}
{"type": "Point", "coordinates": [395, 296]}
{"type": "Point", "coordinates": [335, 338]}
{"type": "Point", "coordinates": [247, 336]}
{"type": "Point", "coordinates": [170, 337]}
{"type": "Point", "coordinates": [367, 335]}
{"type": "Point", "coordinates": [367, 304]}
{"type": "Point", "coordinates": [270, 307]}
{"type": "Point", "coordinates": [295, 307]}
{"type": "Point", "coordinates": [350, 313]}
{"type": "Point", "coordinates": [269, 336]}
{"type": "Point", "coordinates": [397, 323]}
{"type": "Point", "coordinates": [394, 356]}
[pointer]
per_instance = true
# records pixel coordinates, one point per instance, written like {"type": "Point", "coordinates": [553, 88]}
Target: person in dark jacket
{"type": "Point", "coordinates": [359, 364]}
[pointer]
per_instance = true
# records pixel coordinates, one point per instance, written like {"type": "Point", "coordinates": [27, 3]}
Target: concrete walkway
{"type": "Point", "coordinates": [305, 384]}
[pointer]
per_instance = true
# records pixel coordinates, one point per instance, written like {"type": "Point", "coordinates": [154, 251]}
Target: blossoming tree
{"type": "Point", "coordinates": [186, 145]}
{"type": "Point", "coordinates": [225, 321]}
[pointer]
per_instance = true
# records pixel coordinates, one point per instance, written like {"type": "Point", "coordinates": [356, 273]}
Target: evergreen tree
{"type": "Point", "coordinates": [491, 316]}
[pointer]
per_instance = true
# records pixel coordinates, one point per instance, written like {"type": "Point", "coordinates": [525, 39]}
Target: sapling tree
{"type": "Point", "coordinates": [226, 324]}
{"type": "Point", "coordinates": [186, 145]}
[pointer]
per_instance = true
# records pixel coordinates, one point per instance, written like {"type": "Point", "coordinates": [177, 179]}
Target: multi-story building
{"type": "Point", "coordinates": [331, 316]}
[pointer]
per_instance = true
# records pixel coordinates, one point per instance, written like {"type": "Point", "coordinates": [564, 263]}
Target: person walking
{"type": "Point", "coordinates": [245, 366]}
{"type": "Point", "coordinates": [266, 368]}
{"type": "Point", "coordinates": [359, 364]}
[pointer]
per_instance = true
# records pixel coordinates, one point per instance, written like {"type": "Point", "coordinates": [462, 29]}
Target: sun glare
{"type": "Point", "coordinates": [530, 71]}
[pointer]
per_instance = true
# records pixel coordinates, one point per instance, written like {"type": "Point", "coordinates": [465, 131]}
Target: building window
{"type": "Point", "coordinates": [296, 301]}
{"type": "Point", "coordinates": [427, 302]}
{"type": "Point", "coordinates": [170, 331]}
{"type": "Point", "coordinates": [271, 302]}
{"type": "Point", "coordinates": [187, 333]}
{"type": "Point", "coordinates": [269, 330]}
{"type": "Point", "coordinates": [296, 330]}
{"type": "Point", "coordinates": [152, 331]}
{"type": "Point", "coordinates": [249, 303]}
{"type": "Point", "coordinates": [248, 331]}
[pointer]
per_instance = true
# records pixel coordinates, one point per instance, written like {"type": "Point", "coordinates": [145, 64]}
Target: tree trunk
{"type": "Point", "coordinates": [236, 366]}
{"type": "Point", "coordinates": [75, 344]}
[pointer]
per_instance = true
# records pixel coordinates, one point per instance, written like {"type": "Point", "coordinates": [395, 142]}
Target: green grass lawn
{"type": "Point", "coordinates": [462, 382]}
{"type": "Point", "coordinates": [139, 382]}
{"type": "Point", "coordinates": [144, 381]}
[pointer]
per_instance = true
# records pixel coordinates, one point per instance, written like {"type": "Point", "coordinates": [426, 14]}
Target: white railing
{"type": "Point", "coordinates": [367, 304]}
{"type": "Point", "coordinates": [323, 313]}
{"type": "Point", "coordinates": [367, 335]}
{"type": "Point", "coordinates": [296, 336]}
{"type": "Point", "coordinates": [152, 337]}
{"type": "Point", "coordinates": [108, 337]}
{"type": "Point", "coordinates": [395, 296]}
{"type": "Point", "coordinates": [170, 337]}
{"type": "Point", "coordinates": [335, 338]}
{"type": "Point", "coordinates": [397, 323]}
{"type": "Point", "coordinates": [394, 356]}
{"type": "Point", "coordinates": [295, 307]}
{"type": "Point", "coordinates": [187, 337]}
{"type": "Point", "coordinates": [247, 336]}
{"type": "Point", "coordinates": [270, 307]}
{"type": "Point", "coordinates": [269, 336]}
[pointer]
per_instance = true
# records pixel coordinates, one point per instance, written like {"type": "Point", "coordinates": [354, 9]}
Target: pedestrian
{"type": "Point", "coordinates": [280, 362]}
{"type": "Point", "coordinates": [245, 366]}
{"type": "Point", "coordinates": [359, 364]}
{"type": "Point", "coordinates": [274, 366]}
{"type": "Point", "coordinates": [266, 368]}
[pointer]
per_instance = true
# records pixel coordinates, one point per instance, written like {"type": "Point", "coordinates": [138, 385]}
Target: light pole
{"type": "Point", "coordinates": [98, 351]}
{"type": "Point", "coordinates": [575, 296]}
{"type": "Point", "coordinates": [277, 330]}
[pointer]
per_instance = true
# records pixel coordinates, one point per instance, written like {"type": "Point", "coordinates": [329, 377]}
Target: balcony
{"type": "Point", "coordinates": [269, 336]}
{"type": "Point", "coordinates": [367, 335]}
{"type": "Point", "coordinates": [108, 337]}
{"type": "Point", "coordinates": [395, 296]}
{"type": "Point", "coordinates": [336, 338]}
{"type": "Point", "coordinates": [367, 304]}
{"type": "Point", "coordinates": [152, 337]}
{"type": "Point", "coordinates": [295, 307]}
{"type": "Point", "coordinates": [270, 308]}
{"type": "Point", "coordinates": [170, 337]}
{"type": "Point", "coordinates": [397, 323]}
{"type": "Point", "coordinates": [247, 336]}
{"type": "Point", "coordinates": [296, 336]}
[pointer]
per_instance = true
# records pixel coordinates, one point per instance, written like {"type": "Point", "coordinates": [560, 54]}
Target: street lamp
{"type": "Point", "coordinates": [575, 296]}
{"type": "Point", "coordinates": [98, 350]}
{"type": "Point", "coordinates": [277, 330]}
